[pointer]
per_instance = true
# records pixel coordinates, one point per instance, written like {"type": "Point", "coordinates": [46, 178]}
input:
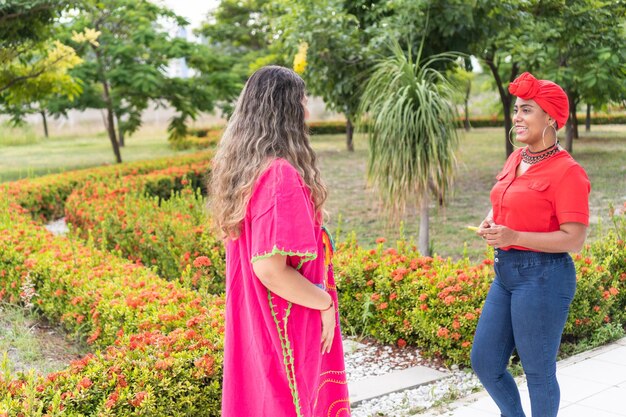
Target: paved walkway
{"type": "Point", "coordinates": [593, 384]}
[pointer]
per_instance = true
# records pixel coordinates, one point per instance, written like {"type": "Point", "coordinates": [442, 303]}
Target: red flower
{"type": "Point", "coordinates": [201, 261]}
{"type": "Point", "coordinates": [84, 383]}
{"type": "Point", "coordinates": [443, 332]}
{"type": "Point", "coordinates": [139, 397]}
{"type": "Point", "coordinates": [112, 400]}
{"type": "Point", "coordinates": [401, 343]}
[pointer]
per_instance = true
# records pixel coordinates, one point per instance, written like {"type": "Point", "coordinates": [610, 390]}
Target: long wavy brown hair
{"type": "Point", "coordinates": [268, 123]}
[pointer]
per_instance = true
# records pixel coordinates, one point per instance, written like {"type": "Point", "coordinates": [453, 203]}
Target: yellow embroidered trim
{"type": "Point", "coordinates": [288, 359]}
{"type": "Point", "coordinates": [306, 256]}
{"type": "Point", "coordinates": [330, 408]}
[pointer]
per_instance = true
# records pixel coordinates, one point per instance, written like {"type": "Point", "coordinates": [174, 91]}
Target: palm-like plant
{"type": "Point", "coordinates": [412, 133]}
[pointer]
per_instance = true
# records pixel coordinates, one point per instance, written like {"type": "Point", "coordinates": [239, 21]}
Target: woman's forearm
{"type": "Point", "coordinates": [569, 238]}
{"type": "Point", "coordinates": [552, 242]}
{"type": "Point", "coordinates": [284, 281]}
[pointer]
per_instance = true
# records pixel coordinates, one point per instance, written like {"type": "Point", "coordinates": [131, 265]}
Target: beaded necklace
{"type": "Point", "coordinates": [532, 158]}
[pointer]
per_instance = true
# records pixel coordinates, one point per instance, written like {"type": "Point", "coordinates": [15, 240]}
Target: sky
{"type": "Point", "coordinates": [194, 11]}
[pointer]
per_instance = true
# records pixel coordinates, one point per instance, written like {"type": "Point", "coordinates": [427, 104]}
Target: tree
{"type": "Point", "coordinates": [589, 64]}
{"type": "Point", "coordinates": [462, 80]}
{"type": "Point", "coordinates": [337, 57]}
{"type": "Point", "coordinates": [239, 35]}
{"type": "Point", "coordinates": [128, 68]}
{"type": "Point", "coordinates": [412, 132]}
{"type": "Point", "coordinates": [507, 40]}
{"type": "Point", "coordinates": [33, 64]}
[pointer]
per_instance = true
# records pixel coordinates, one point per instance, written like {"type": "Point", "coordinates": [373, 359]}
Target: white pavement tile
{"type": "Point", "coordinates": [611, 400]}
{"type": "Point", "coordinates": [577, 410]}
{"type": "Point", "coordinates": [350, 346]}
{"type": "Point", "coordinates": [574, 389]}
{"type": "Point", "coordinates": [488, 405]}
{"type": "Point", "coordinates": [376, 386]}
{"type": "Point", "coordinates": [596, 371]}
{"type": "Point", "coordinates": [617, 356]}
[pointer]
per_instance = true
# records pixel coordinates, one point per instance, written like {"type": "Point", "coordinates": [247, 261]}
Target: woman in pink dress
{"type": "Point", "coordinates": [283, 355]}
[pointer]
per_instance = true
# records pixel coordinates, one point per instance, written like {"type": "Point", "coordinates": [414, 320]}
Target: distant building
{"type": "Point", "coordinates": [178, 67]}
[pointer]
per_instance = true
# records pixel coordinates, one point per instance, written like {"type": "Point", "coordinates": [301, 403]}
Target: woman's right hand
{"type": "Point", "coordinates": [328, 328]}
{"type": "Point", "coordinates": [485, 224]}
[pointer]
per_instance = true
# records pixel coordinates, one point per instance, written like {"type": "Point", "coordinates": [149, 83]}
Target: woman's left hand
{"type": "Point", "coordinates": [500, 236]}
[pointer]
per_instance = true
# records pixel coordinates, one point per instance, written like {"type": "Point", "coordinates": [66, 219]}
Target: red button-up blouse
{"type": "Point", "coordinates": [548, 194]}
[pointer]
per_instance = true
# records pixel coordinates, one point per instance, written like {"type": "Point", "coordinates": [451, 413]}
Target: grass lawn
{"type": "Point", "coordinates": [602, 152]}
{"type": "Point", "coordinates": [24, 155]}
{"type": "Point", "coordinates": [352, 206]}
{"type": "Point", "coordinates": [30, 342]}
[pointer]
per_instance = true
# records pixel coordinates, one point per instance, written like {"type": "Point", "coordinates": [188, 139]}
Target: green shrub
{"type": "Point", "coordinates": [397, 296]}
{"type": "Point", "coordinates": [172, 236]}
{"type": "Point", "coordinates": [162, 343]}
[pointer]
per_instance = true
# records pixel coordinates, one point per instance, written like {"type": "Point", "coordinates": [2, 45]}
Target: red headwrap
{"type": "Point", "coordinates": [548, 95]}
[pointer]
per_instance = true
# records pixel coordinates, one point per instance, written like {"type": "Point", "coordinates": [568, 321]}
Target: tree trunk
{"type": "Point", "coordinates": [45, 123]}
{"type": "Point", "coordinates": [423, 239]}
{"type": "Point", "coordinates": [349, 134]}
{"type": "Point", "coordinates": [575, 122]}
{"type": "Point", "coordinates": [120, 132]}
{"type": "Point", "coordinates": [466, 122]}
{"type": "Point", "coordinates": [110, 124]}
{"type": "Point", "coordinates": [569, 127]}
{"type": "Point", "coordinates": [506, 100]}
{"type": "Point", "coordinates": [588, 119]}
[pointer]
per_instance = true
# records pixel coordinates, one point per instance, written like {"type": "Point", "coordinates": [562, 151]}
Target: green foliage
{"type": "Point", "coordinates": [336, 60]}
{"type": "Point", "coordinates": [398, 296]}
{"type": "Point", "coordinates": [412, 132]}
{"type": "Point", "coordinates": [238, 34]}
{"type": "Point", "coordinates": [161, 343]}
{"type": "Point", "coordinates": [170, 235]}
{"type": "Point", "coordinates": [33, 65]}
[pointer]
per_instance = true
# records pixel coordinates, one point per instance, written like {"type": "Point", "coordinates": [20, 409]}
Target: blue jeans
{"type": "Point", "coordinates": [526, 309]}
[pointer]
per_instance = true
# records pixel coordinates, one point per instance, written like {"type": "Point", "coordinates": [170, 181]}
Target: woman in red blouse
{"type": "Point", "coordinates": [540, 212]}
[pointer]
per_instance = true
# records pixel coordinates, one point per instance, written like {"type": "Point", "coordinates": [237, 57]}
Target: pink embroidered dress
{"type": "Point", "coordinates": [273, 366]}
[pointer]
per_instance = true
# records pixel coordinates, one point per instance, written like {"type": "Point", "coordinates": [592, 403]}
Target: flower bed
{"type": "Point", "coordinates": [170, 235]}
{"type": "Point", "coordinates": [45, 196]}
{"type": "Point", "coordinates": [162, 342]}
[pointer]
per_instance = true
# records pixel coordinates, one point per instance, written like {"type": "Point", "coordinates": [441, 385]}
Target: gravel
{"type": "Point", "coordinates": [368, 358]}
{"type": "Point", "coordinates": [58, 227]}
{"type": "Point", "coordinates": [410, 402]}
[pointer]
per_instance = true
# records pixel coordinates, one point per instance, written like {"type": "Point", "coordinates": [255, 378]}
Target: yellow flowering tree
{"type": "Point", "coordinates": [33, 65]}
{"type": "Point", "coordinates": [299, 61]}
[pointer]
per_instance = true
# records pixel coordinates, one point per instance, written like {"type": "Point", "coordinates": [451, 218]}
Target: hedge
{"type": "Point", "coordinates": [45, 196]}
{"type": "Point", "coordinates": [130, 218]}
{"type": "Point", "coordinates": [396, 296]}
{"type": "Point", "coordinates": [208, 137]}
{"type": "Point", "coordinates": [162, 343]}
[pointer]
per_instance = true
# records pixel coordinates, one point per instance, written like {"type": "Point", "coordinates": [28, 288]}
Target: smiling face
{"type": "Point", "coordinates": [529, 122]}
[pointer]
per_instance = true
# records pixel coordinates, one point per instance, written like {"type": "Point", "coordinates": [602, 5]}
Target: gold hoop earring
{"type": "Point", "coordinates": [510, 141]}
{"type": "Point", "coordinates": [543, 136]}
